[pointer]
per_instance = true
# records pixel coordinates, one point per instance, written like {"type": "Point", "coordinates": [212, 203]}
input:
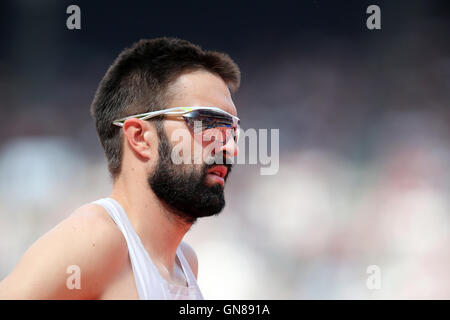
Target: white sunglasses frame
{"type": "Point", "coordinates": [180, 111]}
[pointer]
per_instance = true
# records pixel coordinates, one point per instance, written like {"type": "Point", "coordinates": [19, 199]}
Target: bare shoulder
{"type": "Point", "coordinates": [99, 232]}
{"type": "Point", "coordinates": [190, 256]}
{"type": "Point", "coordinates": [93, 220]}
{"type": "Point", "coordinates": [88, 239]}
{"type": "Point", "coordinates": [91, 227]}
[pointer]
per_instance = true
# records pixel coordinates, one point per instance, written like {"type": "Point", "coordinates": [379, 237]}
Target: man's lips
{"type": "Point", "coordinates": [217, 174]}
{"type": "Point", "coordinates": [220, 171]}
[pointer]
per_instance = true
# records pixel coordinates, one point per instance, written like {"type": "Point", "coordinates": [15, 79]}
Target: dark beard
{"type": "Point", "coordinates": [183, 187]}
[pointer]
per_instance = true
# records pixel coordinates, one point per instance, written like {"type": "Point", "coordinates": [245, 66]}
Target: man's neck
{"type": "Point", "coordinates": [159, 229]}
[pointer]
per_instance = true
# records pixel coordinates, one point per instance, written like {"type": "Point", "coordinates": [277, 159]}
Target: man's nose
{"type": "Point", "coordinates": [229, 148]}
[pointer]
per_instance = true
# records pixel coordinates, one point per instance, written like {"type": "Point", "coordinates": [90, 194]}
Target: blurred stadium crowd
{"type": "Point", "coordinates": [364, 173]}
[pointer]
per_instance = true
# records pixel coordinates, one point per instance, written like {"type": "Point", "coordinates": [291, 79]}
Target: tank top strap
{"type": "Point", "coordinates": [147, 281]}
{"type": "Point", "coordinates": [186, 268]}
{"type": "Point", "coordinates": [194, 289]}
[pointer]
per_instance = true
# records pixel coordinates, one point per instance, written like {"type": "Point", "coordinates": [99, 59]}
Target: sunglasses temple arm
{"type": "Point", "coordinates": [146, 116]}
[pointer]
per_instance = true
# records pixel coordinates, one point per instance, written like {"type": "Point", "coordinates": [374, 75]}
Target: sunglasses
{"type": "Point", "coordinates": [213, 122]}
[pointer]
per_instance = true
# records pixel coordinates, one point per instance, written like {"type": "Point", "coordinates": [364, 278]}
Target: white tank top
{"type": "Point", "coordinates": [149, 282]}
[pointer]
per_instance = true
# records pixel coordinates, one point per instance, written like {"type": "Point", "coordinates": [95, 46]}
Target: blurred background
{"type": "Point", "coordinates": [363, 116]}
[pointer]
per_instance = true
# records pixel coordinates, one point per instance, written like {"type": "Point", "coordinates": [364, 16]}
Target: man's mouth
{"type": "Point", "coordinates": [218, 174]}
{"type": "Point", "coordinates": [220, 171]}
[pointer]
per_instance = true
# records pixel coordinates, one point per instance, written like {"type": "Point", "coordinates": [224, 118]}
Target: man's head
{"type": "Point", "coordinates": [158, 74]}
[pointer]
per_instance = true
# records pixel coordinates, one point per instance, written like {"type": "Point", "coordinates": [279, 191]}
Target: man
{"type": "Point", "coordinates": [160, 102]}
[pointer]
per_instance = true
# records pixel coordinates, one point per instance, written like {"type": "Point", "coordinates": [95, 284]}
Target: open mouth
{"type": "Point", "coordinates": [220, 171]}
{"type": "Point", "coordinates": [217, 174]}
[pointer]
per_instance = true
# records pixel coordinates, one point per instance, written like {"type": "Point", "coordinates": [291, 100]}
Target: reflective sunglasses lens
{"type": "Point", "coordinates": [213, 124]}
{"type": "Point", "coordinates": [211, 119]}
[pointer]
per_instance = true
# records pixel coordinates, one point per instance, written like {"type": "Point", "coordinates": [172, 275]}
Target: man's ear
{"type": "Point", "coordinates": [139, 137]}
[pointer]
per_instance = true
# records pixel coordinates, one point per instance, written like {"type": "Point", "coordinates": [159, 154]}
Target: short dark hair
{"type": "Point", "coordinates": [138, 82]}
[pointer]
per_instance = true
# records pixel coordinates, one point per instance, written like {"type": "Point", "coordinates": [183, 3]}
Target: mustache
{"type": "Point", "coordinates": [215, 161]}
